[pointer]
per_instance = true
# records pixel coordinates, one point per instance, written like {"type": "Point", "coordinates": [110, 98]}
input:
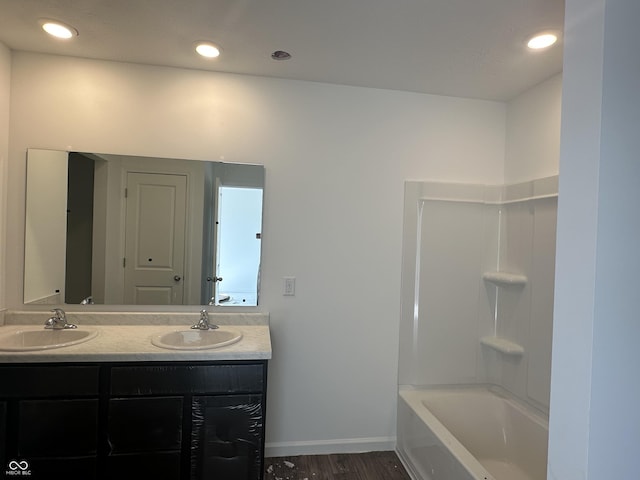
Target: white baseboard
{"type": "Point", "coordinates": [408, 466]}
{"type": "Point", "coordinates": [325, 447]}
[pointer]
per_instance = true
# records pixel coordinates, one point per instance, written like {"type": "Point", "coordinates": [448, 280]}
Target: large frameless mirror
{"type": "Point", "coordinates": [127, 230]}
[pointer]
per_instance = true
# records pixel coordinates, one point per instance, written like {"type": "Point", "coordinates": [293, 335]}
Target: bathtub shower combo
{"type": "Point", "coordinates": [475, 335]}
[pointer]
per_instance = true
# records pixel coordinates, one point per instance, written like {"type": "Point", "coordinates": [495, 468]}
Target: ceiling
{"type": "Point", "coordinates": [465, 48]}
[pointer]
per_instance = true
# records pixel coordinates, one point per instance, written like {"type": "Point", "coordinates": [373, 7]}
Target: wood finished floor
{"type": "Point", "coordinates": [353, 466]}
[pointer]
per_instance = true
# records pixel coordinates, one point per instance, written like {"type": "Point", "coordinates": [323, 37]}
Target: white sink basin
{"type": "Point", "coordinates": [196, 339]}
{"type": "Point", "coordinates": [28, 340]}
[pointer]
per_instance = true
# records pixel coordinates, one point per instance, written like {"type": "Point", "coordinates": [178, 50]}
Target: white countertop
{"type": "Point", "coordinates": [132, 343]}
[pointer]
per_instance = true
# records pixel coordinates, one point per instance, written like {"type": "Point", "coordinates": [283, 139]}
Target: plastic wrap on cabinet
{"type": "Point", "coordinates": [227, 437]}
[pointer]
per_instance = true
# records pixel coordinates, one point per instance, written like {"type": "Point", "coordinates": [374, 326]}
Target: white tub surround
{"type": "Point", "coordinates": [477, 309]}
{"type": "Point", "coordinates": [127, 337]}
{"type": "Point", "coordinates": [477, 292]}
{"type": "Point", "coordinates": [471, 433]}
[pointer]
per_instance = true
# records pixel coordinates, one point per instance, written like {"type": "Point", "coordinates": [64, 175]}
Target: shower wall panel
{"type": "Point", "coordinates": [444, 307]}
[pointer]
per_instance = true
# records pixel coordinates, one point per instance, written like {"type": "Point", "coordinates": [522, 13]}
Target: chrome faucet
{"type": "Point", "coordinates": [203, 323]}
{"type": "Point", "coordinates": [58, 321]}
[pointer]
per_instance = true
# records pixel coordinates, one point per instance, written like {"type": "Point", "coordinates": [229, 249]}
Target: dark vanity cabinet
{"type": "Point", "coordinates": [50, 421]}
{"type": "Point", "coordinates": [3, 428]}
{"type": "Point", "coordinates": [173, 421]}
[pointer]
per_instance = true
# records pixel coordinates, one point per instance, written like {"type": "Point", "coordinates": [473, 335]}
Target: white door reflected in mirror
{"type": "Point", "coordinates": [155, 239]}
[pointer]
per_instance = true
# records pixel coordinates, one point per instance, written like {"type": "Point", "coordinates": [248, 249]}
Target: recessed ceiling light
{"type": "Point", "coordinates": [542, 40]}
{"type": "Point", "coordinates": [58, 29]}
{"type": "Point", "coordinates": [280, 55]}
{"type": "Point", "coordinates": [207, 49]}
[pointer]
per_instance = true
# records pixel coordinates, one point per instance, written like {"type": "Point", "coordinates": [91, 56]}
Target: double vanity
{"type": "Point", "coordinates": [133, 396]}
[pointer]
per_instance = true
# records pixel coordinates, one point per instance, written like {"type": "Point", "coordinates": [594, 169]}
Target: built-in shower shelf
{"type": "Point", "coordinates": [503, 345]}
{"type": "Point", "coordinates": [505, 278]}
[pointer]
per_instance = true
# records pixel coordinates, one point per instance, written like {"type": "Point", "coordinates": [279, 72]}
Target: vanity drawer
{"type": "Point", "coordinates": [177, 379]}
{"type": "Point", "coordinates": [48, 381]}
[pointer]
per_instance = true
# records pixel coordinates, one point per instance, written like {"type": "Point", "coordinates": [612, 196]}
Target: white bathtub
{"type": "Point", "coordinates": [471, 433]}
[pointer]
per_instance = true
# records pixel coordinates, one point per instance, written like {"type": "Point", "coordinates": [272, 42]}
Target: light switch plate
{"type": "Point", "coordinates": [289, 286]}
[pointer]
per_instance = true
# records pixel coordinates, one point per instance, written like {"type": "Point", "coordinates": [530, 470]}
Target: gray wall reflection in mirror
{"type": "Point", "coordinates": [128, 230]}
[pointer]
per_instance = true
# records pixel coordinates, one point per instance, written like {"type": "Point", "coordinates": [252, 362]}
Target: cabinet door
{"type": "Point", "coordinates": [58, 438]}
{"type": "Point", "coordinates": [140, 466]}
{"type": "Point", "coordinates": [227, 437]}
{"type": "Point", "coordinates": [145, 438]}
{"type": "Point", "coordinates": [3, 434]}
{"type": "Point", "coordinates": [58, 428]}
{"type": "Point", "coordinates": [145, 424]}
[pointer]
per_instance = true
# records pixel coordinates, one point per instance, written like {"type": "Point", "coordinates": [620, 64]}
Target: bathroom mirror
{"type": "Point", "coordinates": [128, 230]}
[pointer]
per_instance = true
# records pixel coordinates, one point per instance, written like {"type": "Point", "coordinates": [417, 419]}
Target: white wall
{"type": "Point", "coordinates": [533, 132]}
{"type": "Point", "coordinates": [594, 428]}
{"type": "Point", "coordinates": [46, 227]}
{"type": "Point", "coordinates": [5, 89]}
{"type": "Point", "coordinates": [576, 242]}
{"type": "Point", "coordinates": [614, 418]}
{"type": "Point", "coordinates": [336, 158]}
